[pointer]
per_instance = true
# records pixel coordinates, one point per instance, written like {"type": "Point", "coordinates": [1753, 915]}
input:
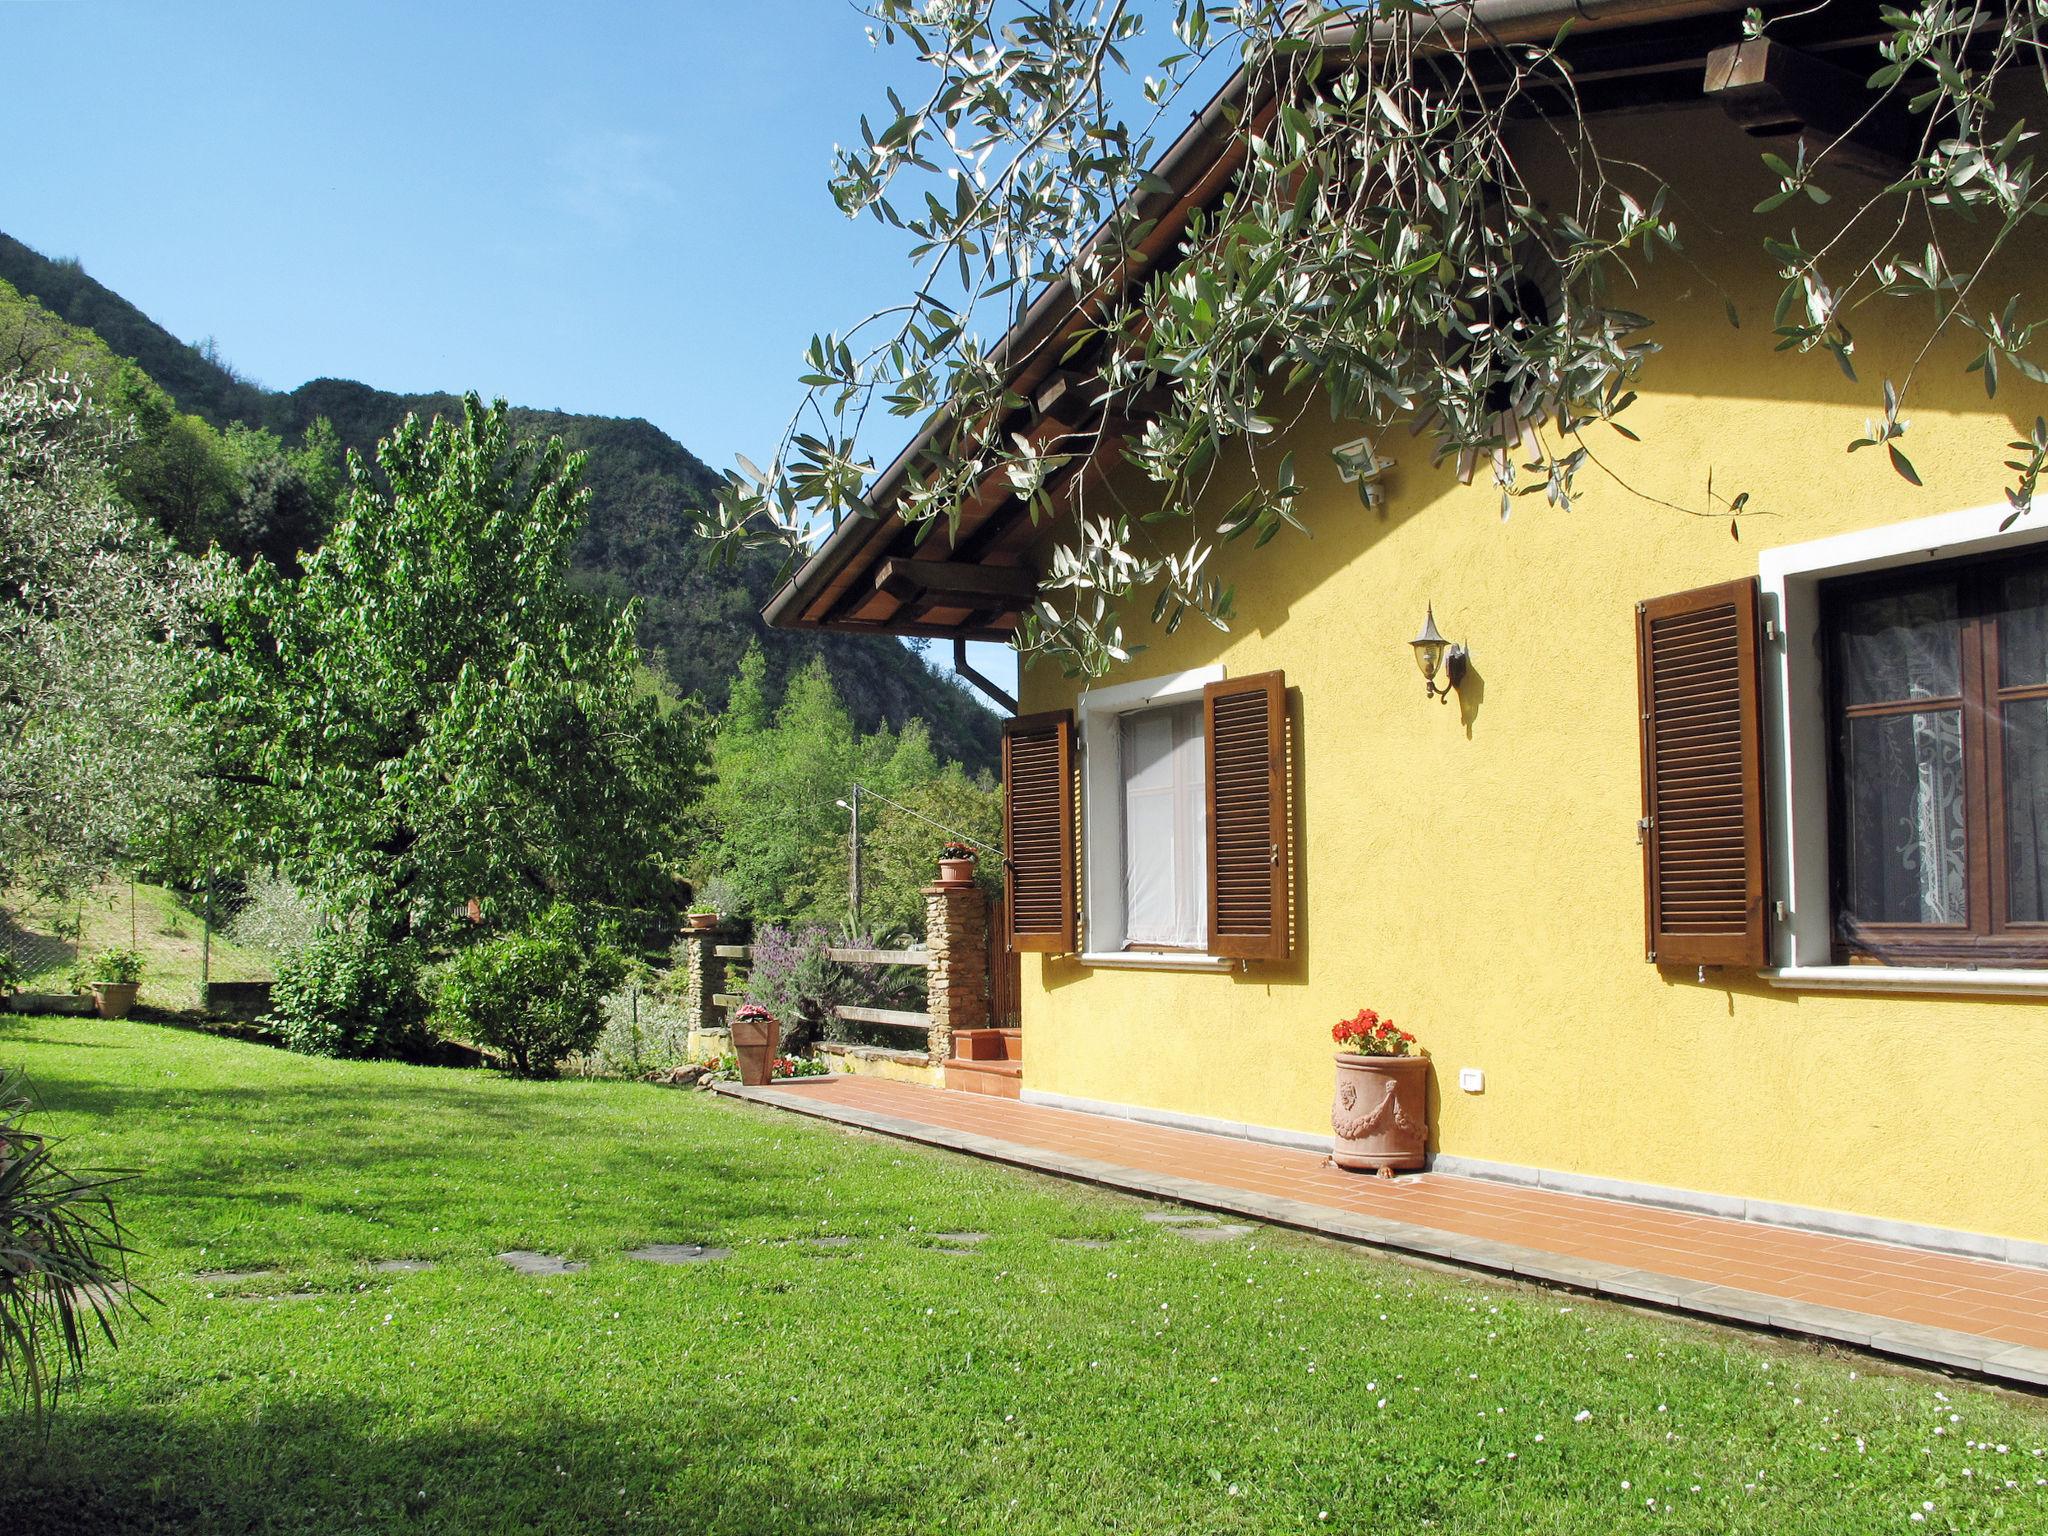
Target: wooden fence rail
{"type": "Point", "coordinates": [894, 1018]}
{"type": "Point", "coordinates": [897, 1017]}
{"type": "Point", "coordinates": [918, 957]}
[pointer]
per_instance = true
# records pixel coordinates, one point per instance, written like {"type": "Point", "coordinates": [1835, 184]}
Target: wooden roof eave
{"type": "Point", "coordinates": [833, 588]}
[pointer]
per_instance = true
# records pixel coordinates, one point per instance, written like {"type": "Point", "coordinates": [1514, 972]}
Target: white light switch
{"type": "Point", "coordinates": [1471, 1079]}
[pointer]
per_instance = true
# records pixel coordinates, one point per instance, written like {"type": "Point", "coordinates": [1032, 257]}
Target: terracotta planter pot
{"type": "Point", "coordinates": [755, 1042]}
{"type": "Point", "coordinates": [113, 999]}
{"type": "Point", "coordinates": [1380, 1118]}
{"type": "Point", "coordinates": [956, 871]}
{"type": "Point", "coordinates": [703, 922]}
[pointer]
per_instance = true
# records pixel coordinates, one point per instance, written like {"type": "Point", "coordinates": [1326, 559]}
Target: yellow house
{"type": "Point", "coordinates": [1718, 879]}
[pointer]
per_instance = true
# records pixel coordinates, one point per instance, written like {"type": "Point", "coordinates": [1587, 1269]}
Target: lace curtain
{"type": "Point", "coordinates": [1907, 843]}
{"type": "Point", "coordinates": [2023, 660]}
{"type": "Point", "coordinates": [1900, 679]}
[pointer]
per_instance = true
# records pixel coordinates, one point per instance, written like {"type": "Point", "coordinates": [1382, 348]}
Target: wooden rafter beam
{"type": "Point", "coordinates": [1000, 629]}
{"type": "Point", "coordinates": [1771, 90]}
{"type": "Point", "coordinates": [1065, 396]}
{"type": "Point", "coordinates": [947, 583]}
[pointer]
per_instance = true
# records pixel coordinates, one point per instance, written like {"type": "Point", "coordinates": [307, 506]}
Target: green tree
{"type": "Point", "coordinates": [900, 843]}
{"type": "Point", "coordinates": [98, 618]}
{"type": "Point", "coordinates": [285, 498]}
{"type": "Point", "coordinates": [431, 714]}
{"type": "Point", "coordinates": [769, 806]}
{"type": "Point", "coordinates": [775, 830]}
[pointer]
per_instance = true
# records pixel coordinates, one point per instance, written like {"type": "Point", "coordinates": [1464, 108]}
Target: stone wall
{"type": "Point", "coordinates": [705, 975]}
{"type": "Point", "coordinates": [956, 933]}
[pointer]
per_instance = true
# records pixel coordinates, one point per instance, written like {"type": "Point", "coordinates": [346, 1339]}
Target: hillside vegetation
{"type": "Point", "coordinates": [198, 415]}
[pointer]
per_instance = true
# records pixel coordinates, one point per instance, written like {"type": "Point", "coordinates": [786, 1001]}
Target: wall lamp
{"type": "Point", "coordinates": [1433, 653]}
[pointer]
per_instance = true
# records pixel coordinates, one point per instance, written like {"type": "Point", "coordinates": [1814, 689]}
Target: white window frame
{"type": "Point", "coordinates": [1097, 719]}
{"type": "Point", "coordinates": [1796, 744]}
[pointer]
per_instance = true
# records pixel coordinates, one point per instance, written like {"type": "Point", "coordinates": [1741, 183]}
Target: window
{"type": "Point", "coordinates": [1164, 867]}
{"type": "Point", "coordinates": [1937, 688]}
{"type": "Point", "coordinates": [1184, 853]}
{"type": "Point", "coordinates": [1144, 874]}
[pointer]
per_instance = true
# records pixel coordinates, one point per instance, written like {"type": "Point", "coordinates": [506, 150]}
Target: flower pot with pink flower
{"type": "Point", "coordinates": [1380, 1118]}
{"type": "Point", "coordinates": [956, 864]}
{"type": "Point", "coordinates": [756, 1035]}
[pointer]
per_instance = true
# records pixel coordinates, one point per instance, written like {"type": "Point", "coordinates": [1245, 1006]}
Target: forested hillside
{"type": "Point", "coordinates": [696, 621]}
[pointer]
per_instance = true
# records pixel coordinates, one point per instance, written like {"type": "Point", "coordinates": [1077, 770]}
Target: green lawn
{"type": "Point", "coordinates": [1273, 1383]}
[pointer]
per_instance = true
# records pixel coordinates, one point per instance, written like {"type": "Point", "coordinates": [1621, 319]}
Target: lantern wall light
{"type": "Point", "coordinates": [1434, 654]}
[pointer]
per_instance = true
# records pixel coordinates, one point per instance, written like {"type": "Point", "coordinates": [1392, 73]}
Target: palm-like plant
{"type": "Point", "coordinates": [63, 1260]}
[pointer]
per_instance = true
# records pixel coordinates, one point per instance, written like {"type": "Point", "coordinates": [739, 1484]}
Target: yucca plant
{"type": "Point", "coordinates": [63, 1260]}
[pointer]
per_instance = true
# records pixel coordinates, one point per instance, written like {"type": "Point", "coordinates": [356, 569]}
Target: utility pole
{"type": "Point", "coordinates": [853, 865]}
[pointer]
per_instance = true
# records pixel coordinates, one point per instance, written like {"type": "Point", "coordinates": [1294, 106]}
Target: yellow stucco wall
{"type": "Point", "coordinates": [1473, 870]}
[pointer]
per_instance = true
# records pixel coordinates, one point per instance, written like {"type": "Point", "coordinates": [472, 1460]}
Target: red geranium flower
{"type": "Point", "coordinates": [1367, 1032]}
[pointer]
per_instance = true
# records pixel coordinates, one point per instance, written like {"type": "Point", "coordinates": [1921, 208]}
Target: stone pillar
{"type": "Point", "coordinates": [704, 977]}
{"type": "Point", "coordinates": [956, 933]}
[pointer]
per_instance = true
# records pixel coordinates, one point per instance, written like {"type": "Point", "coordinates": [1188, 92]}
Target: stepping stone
{"type": "Point", "coordinates": [232, 1276]}
{"type": "Point", "coordinates": [679, 1253]}
{"type": "Point", "coordinates": [962, 1239]}
{"type": "Point", "coordinates": [540, 1263]}
{"type": "Point", "coordinates": [1210, 1234]}
{"type": "Point", "coordinates": [104, 1297]}
{"type": "Point", "coordinates": [402, 1266]}
{"type": "Point", "coordinates": [1179, 1218]}
{"type": "Point", "coordinates": [834, 1241]}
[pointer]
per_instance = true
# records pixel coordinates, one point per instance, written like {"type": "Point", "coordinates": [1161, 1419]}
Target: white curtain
{"type": "Point", "coordinates": [1165, 868]}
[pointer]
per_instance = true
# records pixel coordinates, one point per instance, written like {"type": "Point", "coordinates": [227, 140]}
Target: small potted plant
{"type": "Point", "coordinates": [1381, 1114]}
{"type": "Point", "coordinates": [756, 1035]}
{"type": "Point", "coordinates": [956, 863]}
{"type": "Point", "coordinates": [115, 976]}
{"type": "Point", "coordinates": [703, 919]}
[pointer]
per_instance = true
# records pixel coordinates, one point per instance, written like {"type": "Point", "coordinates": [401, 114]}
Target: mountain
{"type": "Point", "coordinates": [696, 621]}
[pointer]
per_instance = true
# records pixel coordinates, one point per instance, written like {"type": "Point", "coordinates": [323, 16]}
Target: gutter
{"type": "Point", "coordinates": [1491, 23]}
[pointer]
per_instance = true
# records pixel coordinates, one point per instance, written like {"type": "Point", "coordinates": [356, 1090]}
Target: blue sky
{"type": "Point", "coordinates": [612, 208]}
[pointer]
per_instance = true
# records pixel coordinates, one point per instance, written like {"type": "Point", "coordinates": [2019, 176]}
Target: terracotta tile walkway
{"type": "Point", "coordinates": [1975, 1314]}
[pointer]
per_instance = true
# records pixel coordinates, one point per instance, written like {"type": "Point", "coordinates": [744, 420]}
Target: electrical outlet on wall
{"type": "Point", "coordinates": [1472, 1079]}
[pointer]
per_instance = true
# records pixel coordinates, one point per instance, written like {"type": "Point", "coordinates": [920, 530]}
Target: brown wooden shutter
{"type": "Point", "coordinates": [1244, 742]}
{"type": "Point", "coordinates": [1698, 668]}
{"type": "Point", "coordinates": [1038, 832]}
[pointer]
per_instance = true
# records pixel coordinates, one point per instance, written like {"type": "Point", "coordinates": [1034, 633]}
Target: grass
{"type": "Point", "coordinates": [1275, 1383]}
{"type": "Point", "coordinates": [118, 915]}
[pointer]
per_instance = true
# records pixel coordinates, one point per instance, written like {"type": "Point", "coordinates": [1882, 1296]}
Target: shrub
{"type": "Point", "coordinates": [538, 996]}
{"type": "Point", "coordinates": [645, 1030]}
{"type": "Point", "coordinates": [720, 895]}
{"type": "Point", "coordinates": [12, 974]}
{"type": "Point", "coordinates": [276, 918]}
{"type": "Point", "coordinates": [123, 966]}
{"type": "Point", "coordinates": [350, 995]}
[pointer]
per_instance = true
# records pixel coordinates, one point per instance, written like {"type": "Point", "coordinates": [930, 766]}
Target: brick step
{"type": "Point", "coordinates": [988, 1045]}
{"type": "Point", "coordinates": [1000, 1079]}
